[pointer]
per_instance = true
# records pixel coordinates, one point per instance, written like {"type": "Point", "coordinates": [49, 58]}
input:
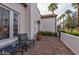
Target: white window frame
{"type": "Point", "coordinates": [11, 22]}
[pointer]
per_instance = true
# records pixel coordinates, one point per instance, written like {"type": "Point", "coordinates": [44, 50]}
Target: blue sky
{"type": "Point", "coordinates": [62, 7]}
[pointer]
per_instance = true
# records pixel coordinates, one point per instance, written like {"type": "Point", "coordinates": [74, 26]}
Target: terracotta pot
{"type": "Point", "coordinates": [39, 38]}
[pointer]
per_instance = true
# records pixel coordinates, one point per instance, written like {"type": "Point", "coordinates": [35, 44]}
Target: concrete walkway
{"type": "Point", "coordinates": [49, 46]}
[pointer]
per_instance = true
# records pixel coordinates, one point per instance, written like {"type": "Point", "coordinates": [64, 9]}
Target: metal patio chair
{"type": "Point", "coordinates": [25, 41]}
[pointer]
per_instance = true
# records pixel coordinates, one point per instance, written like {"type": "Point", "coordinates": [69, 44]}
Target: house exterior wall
{"type": "Point", "coordinates": [28, 17]}
{"type": "Point", "coordinates": [48, 24]}
{"type": "Point", "coordinates": [35, 16]}
{"type": "Point", "coordinates": [27, 20]}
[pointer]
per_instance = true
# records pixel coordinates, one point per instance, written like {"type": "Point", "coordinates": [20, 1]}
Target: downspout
{"type": "Point", "coordinates": [55, 24]}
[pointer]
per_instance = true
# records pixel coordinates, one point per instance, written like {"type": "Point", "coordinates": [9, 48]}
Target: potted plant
{"type": "Point", "coordinates": [39, 36]}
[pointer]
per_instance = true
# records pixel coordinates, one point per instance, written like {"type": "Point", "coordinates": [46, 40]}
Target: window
{"type": "Point", "coordinates": [4, 23]}
{"type": "Point", "coordinates": [15, 24]}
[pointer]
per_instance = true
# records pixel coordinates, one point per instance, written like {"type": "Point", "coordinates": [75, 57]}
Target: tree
{"type": "Point", "coordinates": [52, 7]}
{"type": "Point", "coordinates": [69, 19]}
{"type": "Point", "coordinates": [68, 12]}
{"type": "Point", "coordinates": [62, 16]}
{"type": "Point", "coordinates": [70, 22]}
{"type": "Point", "coordinates": [59, 19]}
{"type": "Point", "coordinates": [76, 6]}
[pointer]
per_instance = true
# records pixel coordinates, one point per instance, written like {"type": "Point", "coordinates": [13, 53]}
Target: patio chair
{"type": "Point", "coordinates": [24, 40]}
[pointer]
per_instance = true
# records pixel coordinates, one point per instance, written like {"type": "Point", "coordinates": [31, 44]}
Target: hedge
{"type": "Point", "coordinates": [46, 33]}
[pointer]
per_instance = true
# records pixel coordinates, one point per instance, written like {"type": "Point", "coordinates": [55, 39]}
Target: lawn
{"type": "Point", "coordinates": [74, 32]}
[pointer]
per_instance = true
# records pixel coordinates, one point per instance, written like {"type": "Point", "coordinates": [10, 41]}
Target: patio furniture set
{"type": "Point", "coordinates": [22, 44]}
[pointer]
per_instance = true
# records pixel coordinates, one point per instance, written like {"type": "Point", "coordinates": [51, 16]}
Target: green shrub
{"type": "Point", "coordinates": [74, 33]}
{"type": "Point", "coordinates": [47, 33]}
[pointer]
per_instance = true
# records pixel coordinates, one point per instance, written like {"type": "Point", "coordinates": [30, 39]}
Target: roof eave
{"type": "Point", "coordinates": [48, 16]}
{"type": "Point", "coordinates": [24, 4]}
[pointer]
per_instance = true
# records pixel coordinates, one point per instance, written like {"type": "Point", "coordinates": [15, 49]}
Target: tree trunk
{"type": "Point", "coordinates": [63, 24]}
{"type": "Point", "coordinates": [52, 12]}
{"type": "Point", "coordinates": [78, 16]}
{"type": "Point", "coordinates": [78, 13]}
{"type": "Point", "coordinates": [60, 22]}
{"type": "Point", "coordinates": [71, 30]}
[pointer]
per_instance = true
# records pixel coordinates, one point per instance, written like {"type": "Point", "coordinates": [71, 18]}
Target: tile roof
{"type": "Point", "coordinates": [48, 15]}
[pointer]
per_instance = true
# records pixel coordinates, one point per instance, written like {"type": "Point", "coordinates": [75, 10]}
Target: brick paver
{"type": "Point", "coordinates": [49, 46]}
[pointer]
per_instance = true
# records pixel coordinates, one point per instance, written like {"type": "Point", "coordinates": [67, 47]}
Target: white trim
{"type": "Point", "coordinates": [19, 19]}
{"type": "Point", "coordinates": [4, 43]}
{"type": "Point", "coordinates": [4, 7]}
{"type": "Point", "coordinates": [8, 8]}
{"type": "Point", "coordinates": [11, 24]}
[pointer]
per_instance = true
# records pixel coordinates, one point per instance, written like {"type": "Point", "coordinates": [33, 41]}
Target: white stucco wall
{"type": "Point", "coordinates": [48, 24]}
{"type": "Point", "coordinates": [28, 19]}
{"type": "Point", "coordinates": [35, 16]}
{"type": "Point", "coordinates": [71, 41]}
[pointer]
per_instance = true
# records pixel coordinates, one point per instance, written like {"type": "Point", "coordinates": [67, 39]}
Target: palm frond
{"type": "Point", "coordinates": [52, 6]}
{"type": "Point", "coordinates": [74, 5]}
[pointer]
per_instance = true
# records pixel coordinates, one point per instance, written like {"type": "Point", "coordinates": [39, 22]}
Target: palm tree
{"type": "Point", "coordinates": [62, 16]}
{"type": "Point", "coordinates": [52, 7]}
{"type": "Point", "coordinates": [68, 12]}
{"type": "Point", "coordinates": [59, 19]}
{"type": "Point", "coordinates": [76, 6]}
{"type": "Point", "coordinates": [69, 19]}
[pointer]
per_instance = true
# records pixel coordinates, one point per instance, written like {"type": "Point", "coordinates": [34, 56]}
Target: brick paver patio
{"type": "Point", "coordinates": [49, 46]}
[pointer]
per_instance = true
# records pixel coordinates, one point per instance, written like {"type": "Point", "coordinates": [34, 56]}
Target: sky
{"type": "Point", "coordinates": [62, 7]}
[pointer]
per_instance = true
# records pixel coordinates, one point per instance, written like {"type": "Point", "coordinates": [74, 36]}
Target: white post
{"type": "Point", "coordinates": [11, 24]}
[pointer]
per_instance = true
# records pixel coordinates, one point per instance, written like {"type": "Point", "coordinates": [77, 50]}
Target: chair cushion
{"type": "Point", "coordinates": [11, 48]}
